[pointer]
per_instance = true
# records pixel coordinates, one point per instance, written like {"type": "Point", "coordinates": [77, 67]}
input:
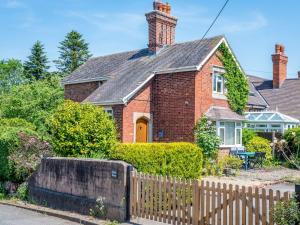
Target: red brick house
{"type": "Point", "coordinates": [159, 93]}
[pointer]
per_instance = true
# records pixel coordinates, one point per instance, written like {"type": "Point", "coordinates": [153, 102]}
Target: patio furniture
{"type": "Point", "coordinates": [245, 156]}
{"type": "Point", "coordinates": [258, 159]}
{"type": "Point", "coordinates": [235, 150]}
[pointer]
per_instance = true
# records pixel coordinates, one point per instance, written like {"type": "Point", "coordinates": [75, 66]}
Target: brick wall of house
{"type": "Point", "coordinates": [79, 92]}
{"type": "Point", "coordinates": [118, 116]}
{"type": "Point", "coordinates": [173, 105]}
{"type": "Point", "coordinates": [140, 103]}
{"type": "Point", "coordinates": [203, 88]}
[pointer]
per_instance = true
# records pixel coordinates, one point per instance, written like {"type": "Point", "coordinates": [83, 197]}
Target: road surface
{"type": "Point", "coordinates": [10, 215]}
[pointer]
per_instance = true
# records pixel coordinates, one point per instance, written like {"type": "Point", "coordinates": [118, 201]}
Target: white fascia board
{"type": "Point", "coordinates": [177, 70]}
{"type": "Point", "coordinates": [107, 103]}
{"type": "Point", "coordinates": [84, 81]}
{"type": "Point", "coordinates": [131, 94]}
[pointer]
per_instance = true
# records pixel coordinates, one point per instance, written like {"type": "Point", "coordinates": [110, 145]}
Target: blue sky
{"type": "Point", "coordinates": [252, 27]}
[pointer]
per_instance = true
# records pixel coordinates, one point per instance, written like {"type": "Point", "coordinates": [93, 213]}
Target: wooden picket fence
{"type": "Point", "coordinates": [180, 201]}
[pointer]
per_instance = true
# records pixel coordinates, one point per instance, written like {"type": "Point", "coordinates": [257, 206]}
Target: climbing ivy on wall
{"type": "Point", "coordinates": [236, 81]}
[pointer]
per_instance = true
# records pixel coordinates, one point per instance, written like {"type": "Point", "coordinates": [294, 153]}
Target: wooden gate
{"type": "Point", "coordinates": [176, 201]}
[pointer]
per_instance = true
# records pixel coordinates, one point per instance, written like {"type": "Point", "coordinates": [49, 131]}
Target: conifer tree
{"type": "Point", "coordinates": [36, 67]}
{"type": "Point", "coordinates": [74, 51]}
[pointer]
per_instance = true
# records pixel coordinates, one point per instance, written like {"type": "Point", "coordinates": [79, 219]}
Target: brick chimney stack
{"type": "Point", "coordinates": [161, 26]}
{"type": "Point", "coordinates": [299, 74]}
{"type": "Point", "coordinates": [280, 61]}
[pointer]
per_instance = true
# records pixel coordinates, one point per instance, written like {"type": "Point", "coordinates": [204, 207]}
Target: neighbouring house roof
{"type": "Point", "coordinates": [254, 98]}
{"type": "Point", "coordinates": [125, 73]}
{"type": "Point", "coordinates": [270, 117]}
{"type": "Point", "coordinates": [220, 113]}
{"type": "Point", "coordinates": [285, 99]}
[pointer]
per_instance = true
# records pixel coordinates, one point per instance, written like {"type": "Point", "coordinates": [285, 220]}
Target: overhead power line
{"type": "Point", "coordinates": [215, 20]}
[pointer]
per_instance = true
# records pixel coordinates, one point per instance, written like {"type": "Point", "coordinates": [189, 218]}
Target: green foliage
{"type": "Point", "coordinates": [22, 191]}
{"type": "Point", "coordinates": [11, 74]}
{"type": "Point", "coordinates": [287, 213]}
{"type": "Point", "coordinates": [231, 162]}
{"type": "Point", "coordinates": [236, 81]}
{"type": "Point", "coordinates": [99, 211]}
{"type": "Point", "coordinates": [248, 135]}
{"type": "Point", "coordinates": [32, 102]}
{"type": "Point", "coordinates": [174, 159]}
{"type": "Point", "coordinates": [73, 51]}
{"type": "Point", "coordinates": [82, 130]}
{"type": "Point", "coordinates": [36, 67]}
{"type": "Point", "coordinates": [259, 144]}
{"type": "Point", "coordinates": [207, 138]}
{"type": "Point", "coordinates": [292, 138]}
{"type": "Point", "coordinates": [9, 142]}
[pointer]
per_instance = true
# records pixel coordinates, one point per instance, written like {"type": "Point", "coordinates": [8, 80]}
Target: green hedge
{"type": "Point", "coordinates": [174, 159]}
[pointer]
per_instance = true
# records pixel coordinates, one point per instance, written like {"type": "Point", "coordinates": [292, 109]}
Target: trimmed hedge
{"type": "Point", "coordinates": [175, 159]}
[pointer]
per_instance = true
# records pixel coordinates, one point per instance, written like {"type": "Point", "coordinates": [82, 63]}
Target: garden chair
{"type": "Point", "coordinates": [258, 159]}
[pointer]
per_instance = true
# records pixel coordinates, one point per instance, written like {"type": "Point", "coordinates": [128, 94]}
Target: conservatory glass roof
{"type": "Point", "coordinates": [269, 116]}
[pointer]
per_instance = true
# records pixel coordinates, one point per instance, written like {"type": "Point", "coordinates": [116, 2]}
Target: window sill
{"type": "Point", "coordinates": [219, 96]}
{"type": "Point", "coordinates": [230, 146]}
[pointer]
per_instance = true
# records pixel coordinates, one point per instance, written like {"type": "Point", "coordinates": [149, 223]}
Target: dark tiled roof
{"type": "Point", "coordinates": [220, 113]}
{"type": "Point", "coordinates": [125, 72]}
{"type": "Point", "coordinates": [285, 99]}
{"type": "Point", "coordinates": [255, 99]}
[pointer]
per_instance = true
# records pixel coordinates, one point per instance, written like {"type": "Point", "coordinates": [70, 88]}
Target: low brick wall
{"type": "Point", "coordinates": [76, 184]}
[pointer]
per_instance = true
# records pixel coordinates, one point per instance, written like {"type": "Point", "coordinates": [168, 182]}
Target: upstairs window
{"type": "Point", "coordinates": [218, 83]}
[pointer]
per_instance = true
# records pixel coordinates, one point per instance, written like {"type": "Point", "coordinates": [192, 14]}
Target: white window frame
{"type": "Point", "coordinates": [219, 73]}
{"type": "Point", "coordinates": [109, 111]}
{"type": "Point", "coordinates": [237, 126]}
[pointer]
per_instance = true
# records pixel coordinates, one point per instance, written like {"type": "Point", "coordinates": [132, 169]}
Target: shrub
{"type": "Point", "coordinates": [231, 162]}
{"type": "Point", "coordinates": [81, 130]}
{"type": "Point", "coordinates": [174, 159]}
{"type": "Point", "coordinates": [207, 138]}
{"type": "Point", "coordinates": [292, 138]}
{"type": "Point", "coordinates": [22, 192]}
{"type": "Point", "coordinates": [20, 150]}
{"type": "Point", "coordinates": [248, 135]}
{"type": "Point", "coordinates": [287, 213]}
{"type": "Point", "coordinates": [259, 144]}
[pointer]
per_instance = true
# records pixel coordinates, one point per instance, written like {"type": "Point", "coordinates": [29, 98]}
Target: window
{"type": "Point", "coordinates": [230, 133]}
{"type": "Point", "coordinates": [218, 83]}
{"type": "Point", "coordinates": [109, 111]}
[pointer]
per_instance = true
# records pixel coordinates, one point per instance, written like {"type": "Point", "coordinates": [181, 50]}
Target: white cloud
{"type": "Point", "coordinates": [255, 22]}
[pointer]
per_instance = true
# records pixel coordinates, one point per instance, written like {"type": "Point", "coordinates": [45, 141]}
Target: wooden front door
{"type": "Point", "coordinates": [141, 131]}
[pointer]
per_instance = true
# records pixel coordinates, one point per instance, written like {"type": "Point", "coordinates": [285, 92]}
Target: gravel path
{"type": "Point", "coordinates": [268, 178]}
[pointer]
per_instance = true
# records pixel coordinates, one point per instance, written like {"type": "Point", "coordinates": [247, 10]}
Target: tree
{"type": "Point", "coordinates": [33, 102]}
{"type": "Point", "coordinates": [73, 51]}
{"type": "Point", "coordinates": [81, 130]}
{"type": "Point", "coordinates": [36, 67]}
{"type": "Point", "coordinates": [11, 74]}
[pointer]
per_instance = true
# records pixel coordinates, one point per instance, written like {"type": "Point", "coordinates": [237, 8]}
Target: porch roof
{"type": "Point", "coordinates": [221, 113]}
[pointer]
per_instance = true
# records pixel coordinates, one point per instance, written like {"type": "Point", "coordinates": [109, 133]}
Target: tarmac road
{"type": "Point", "coordinates": [10, 215]}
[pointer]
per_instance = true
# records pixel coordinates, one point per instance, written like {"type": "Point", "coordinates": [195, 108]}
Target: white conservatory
{"type": "Point", "coordinates": [269, 121]}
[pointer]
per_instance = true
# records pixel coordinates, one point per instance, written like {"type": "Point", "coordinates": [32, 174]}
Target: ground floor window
{"type": "Point", "coordinates": [109, 111]}
{"type": "Point", "coordinates": [230, 133]}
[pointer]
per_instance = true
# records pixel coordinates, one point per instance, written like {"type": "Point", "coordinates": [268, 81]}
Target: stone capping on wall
{"type": "Point", "coordinates": [76, 184]}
